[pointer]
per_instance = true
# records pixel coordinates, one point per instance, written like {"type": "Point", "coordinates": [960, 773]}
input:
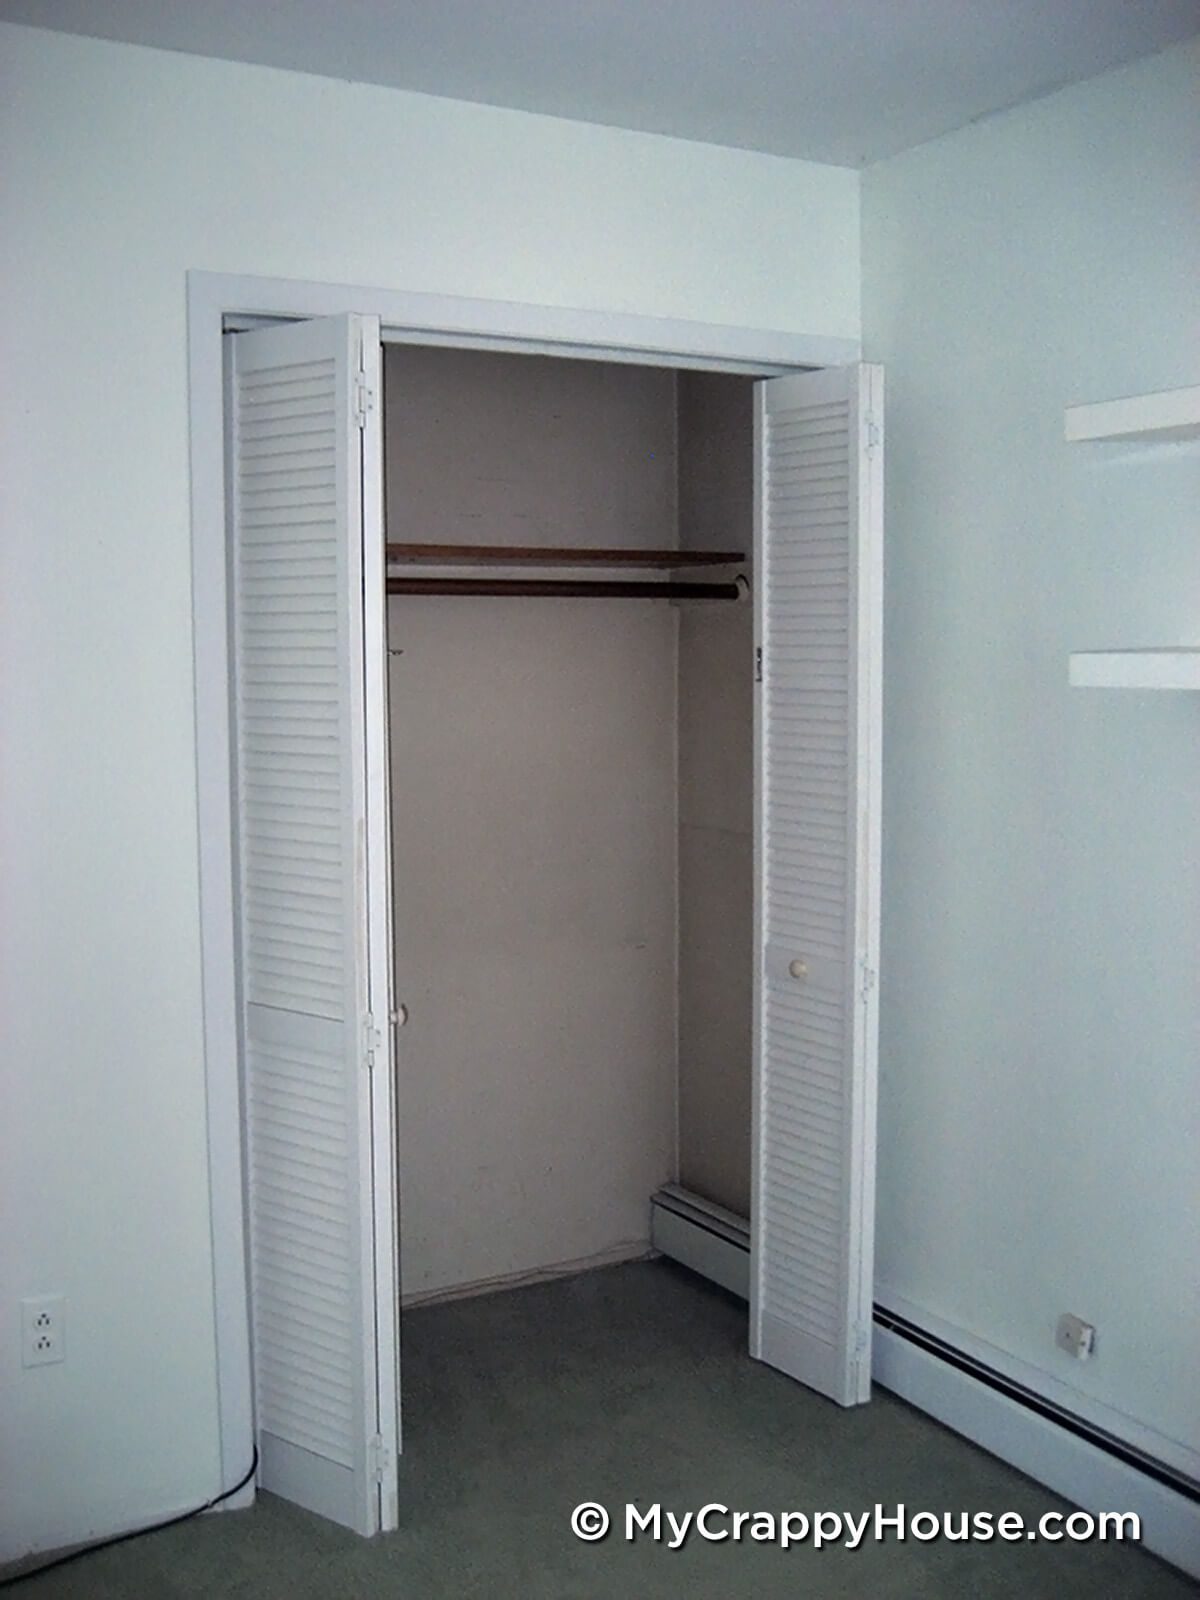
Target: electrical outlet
{"type": "Point", "coordinates": [1076, 1337]}
{"type": "Point", "coordinates": [43, 1330]}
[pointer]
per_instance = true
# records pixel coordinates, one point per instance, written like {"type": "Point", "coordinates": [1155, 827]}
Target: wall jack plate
{"type": "Point", "coordinates": [43, 1330]}
{"type": "Point", "coordinates": [1075, 1336]}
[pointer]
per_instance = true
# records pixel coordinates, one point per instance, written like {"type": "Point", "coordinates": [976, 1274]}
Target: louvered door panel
{"type": "Point", "coordinates": [302, 1240]}
{"type": "Point", "coordinates": [817, 728]}
{"type": "Point", "coordinates": [302, 792]}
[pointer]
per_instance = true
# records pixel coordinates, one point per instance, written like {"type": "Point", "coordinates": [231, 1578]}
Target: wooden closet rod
{"type": "Point", "coordinates": [565, 588]}
{"type": "Point", "coordinates": [521, 555]}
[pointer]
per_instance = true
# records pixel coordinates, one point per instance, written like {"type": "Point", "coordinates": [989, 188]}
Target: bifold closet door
{"type": "Point", "coordinates": [817, 727]}
{"type": "Point", "coordinates": [314, 883]}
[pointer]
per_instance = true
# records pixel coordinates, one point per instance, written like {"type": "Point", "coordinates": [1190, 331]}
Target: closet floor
{"type": "Point", "coordinates": [627, 1384]}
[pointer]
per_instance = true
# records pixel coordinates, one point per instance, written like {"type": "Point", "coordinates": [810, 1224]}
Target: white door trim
{"type": "Point", "coordinates": [216, 301]}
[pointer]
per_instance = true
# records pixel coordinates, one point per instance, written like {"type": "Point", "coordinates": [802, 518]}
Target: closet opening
{"type": "Point", "coordinates": [571, 666]}
{"type": "Point", "coordinates": [550, 859]}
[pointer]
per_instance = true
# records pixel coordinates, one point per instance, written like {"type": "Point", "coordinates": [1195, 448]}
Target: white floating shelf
{"type": "Point", "coordinates": [1169, 414]}
{"type": "Point", "coordinates": [1136, 669]}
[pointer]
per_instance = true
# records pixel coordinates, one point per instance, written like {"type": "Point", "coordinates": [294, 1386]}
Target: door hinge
{"type": "Point", "coordinates": [758, 664]}
{"type": "Point", "coordinates": [867, 979]}
{"type": "Point", "coordinates": [378, 1459]}
{"type": "Point", "coordinates": [872, 433]}
{"type": "Point", "coordinates": [364, 400]}
{"type": "Point", "coordinates": [372, 1039]}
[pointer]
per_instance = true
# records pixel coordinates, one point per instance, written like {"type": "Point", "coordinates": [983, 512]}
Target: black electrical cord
{"type": "Point", "coordinates": [136, 1533]}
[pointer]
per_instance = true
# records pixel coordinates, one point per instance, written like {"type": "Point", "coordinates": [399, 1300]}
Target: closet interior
{"type": "Point", "coordinates": [571, 669]}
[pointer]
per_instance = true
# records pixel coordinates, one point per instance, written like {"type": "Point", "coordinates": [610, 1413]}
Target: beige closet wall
{"type": "Point", "coordinates": [534, 774]}
{"type": "Point", "coordinates": [716, 762]}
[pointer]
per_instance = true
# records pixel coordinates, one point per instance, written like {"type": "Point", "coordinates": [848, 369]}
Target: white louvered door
{"type": "Point", "coordinates": [307, 580]}
{"type": "Point", "coordinates": [819, 446]}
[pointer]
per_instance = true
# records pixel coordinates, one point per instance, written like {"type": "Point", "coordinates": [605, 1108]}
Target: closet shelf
{"type": "Point", "coordinates": [566, 588]}
{"type": "Point", "coordinates": [518, 555]}
{"type": "Point", "coordinates": [1136, 669]}
{"type": "Point", "coordinates": [1169, 414]}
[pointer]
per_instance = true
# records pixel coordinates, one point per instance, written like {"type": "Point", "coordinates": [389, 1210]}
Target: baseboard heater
{"type": "Point", "coordinates": [702, 1235]}
{"type": "Point", "coordinates": [1036, 1403]}
{"type": "Point", "coordinates": [716, 1243]}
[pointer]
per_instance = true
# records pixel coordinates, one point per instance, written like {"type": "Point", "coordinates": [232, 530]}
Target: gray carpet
{"type": "Point", "coordinates": [629, 1384]}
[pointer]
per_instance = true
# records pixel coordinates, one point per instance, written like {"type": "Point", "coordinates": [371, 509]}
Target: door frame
{"type": "Point", "coordinates": [218, 303]}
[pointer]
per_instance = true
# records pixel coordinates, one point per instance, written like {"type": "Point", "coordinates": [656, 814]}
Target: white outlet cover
{"type": "Point", "coordinates": [43, 1330]}
{"type": "Point", "coordinates": [1075, 1336]}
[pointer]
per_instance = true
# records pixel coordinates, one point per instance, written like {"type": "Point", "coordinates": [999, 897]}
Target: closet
{"type": "Point", "coordinates": [554, 738]}
{"type": "Point", "coordinates": [572, 792]}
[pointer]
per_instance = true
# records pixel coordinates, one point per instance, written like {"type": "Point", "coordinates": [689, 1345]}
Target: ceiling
{"type": "Point", "coordinates": [843, 81]}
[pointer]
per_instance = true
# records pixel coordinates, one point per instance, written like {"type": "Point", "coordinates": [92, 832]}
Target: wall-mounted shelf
{"type": "Point", "coordinates": [1136, 669]}
{"type": "Point", "coordinates": [508, 555]}
{"type": "Point", "coordinates": [1168, 415]}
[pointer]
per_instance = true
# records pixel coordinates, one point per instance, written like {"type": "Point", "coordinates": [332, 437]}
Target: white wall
{"type": "Point", "coordinates": [1040, 1103]}
{"type": "Point", "coordinates": [124, 168]}
{"type": "Point", "coordinates": [534, 834]}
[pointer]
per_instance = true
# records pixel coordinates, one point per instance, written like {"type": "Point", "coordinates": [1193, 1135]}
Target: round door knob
{"type": "Point", "coordinates": [798, 968]}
